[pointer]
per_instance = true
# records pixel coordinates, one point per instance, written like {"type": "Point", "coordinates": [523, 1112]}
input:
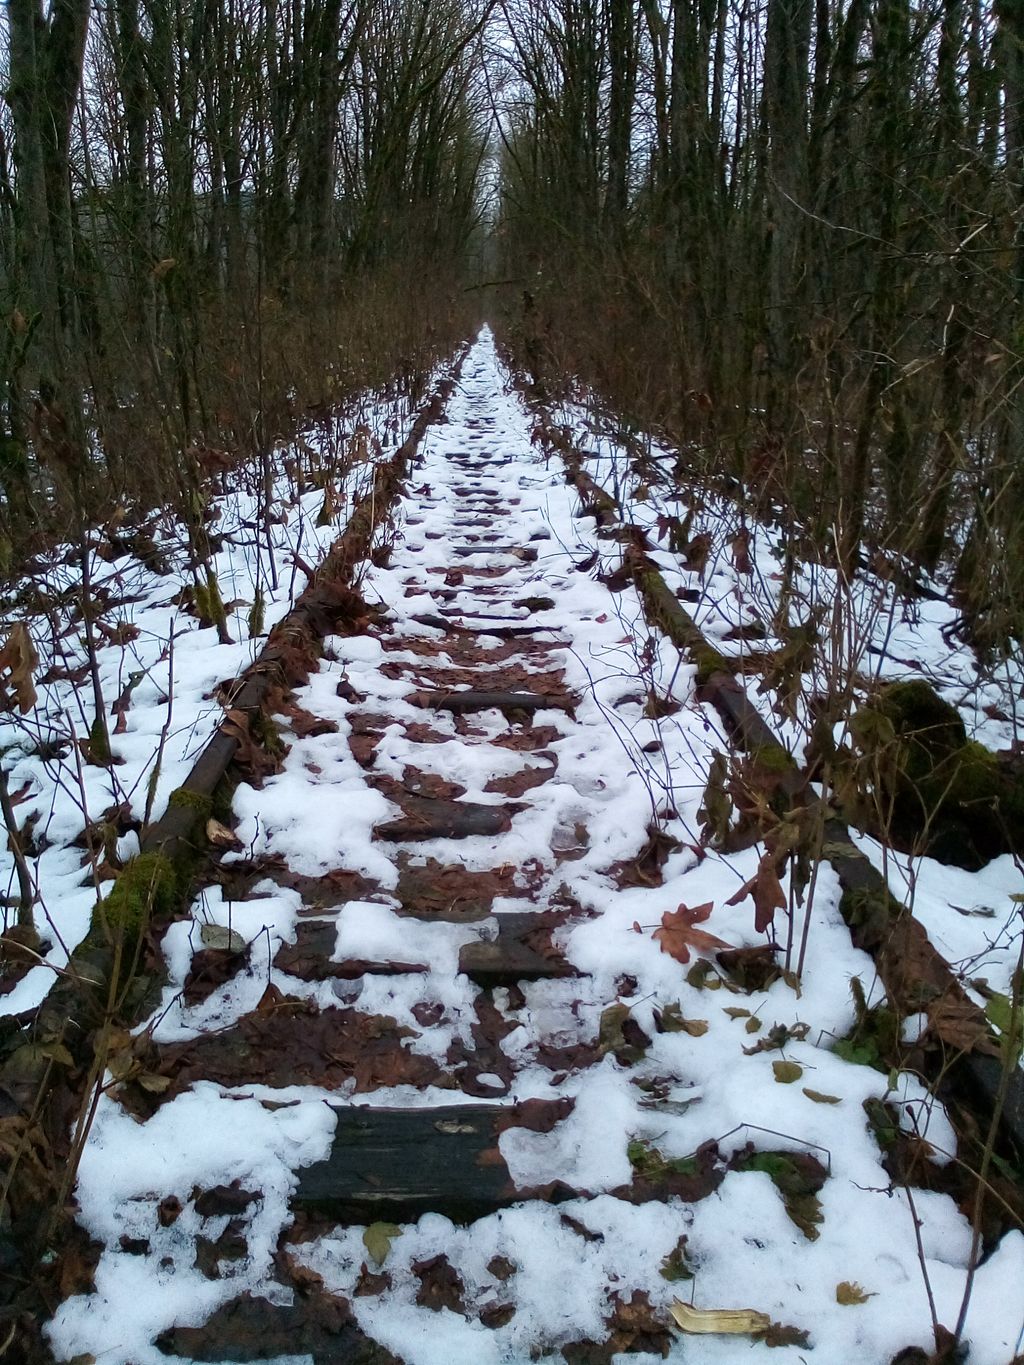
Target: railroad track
{"type": "Point", "coordinates": [424, 1084]}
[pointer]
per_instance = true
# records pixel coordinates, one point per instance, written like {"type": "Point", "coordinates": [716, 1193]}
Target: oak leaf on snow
{"type": "Point", "coordinates": [678, 933]}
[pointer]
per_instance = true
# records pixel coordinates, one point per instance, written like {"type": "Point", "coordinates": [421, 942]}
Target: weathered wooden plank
{"type": "Point", "coordinates": [595, 501]}
{"type": "Point", "coordinates": [504, 631]}
{"type": "Point", "coordinates": [509, 632]}
{"type": "Point", "coordinates": [986, 1077]}
{"type": "Point", "coordinates": [517, 954]}
{"type": "Point", "coordinates": [430, 890]}
{"type": "Point", "coordinates": [394, 1165]}
{"type": "Point", "coordinates": [311, 957]}
{"type": "Point", "coordinates": [251, 1328]}
{"type": "Point", "coordinates": [524, 552]}
{"type": "Point", "coordinates": [425, 817]}
{"type": "Point", "coordinates": [468, 701]}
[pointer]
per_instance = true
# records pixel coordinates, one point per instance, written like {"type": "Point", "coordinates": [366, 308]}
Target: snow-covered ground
{"type": "Point", "coordinates": [868, 632]}
{"type": "Point", "coordinates": [701, 1059]}
{"type": "Point", "coordinates": [885, 634]}
{"type": "Point", "coordinates": [156, 655]}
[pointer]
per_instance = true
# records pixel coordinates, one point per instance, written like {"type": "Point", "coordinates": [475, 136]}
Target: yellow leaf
{"type": "Point", "coordinates": [731, 1321]}
{"type": "Point", "coordinates": [753, 1024]}
{"type": "Point", "coordinates": [787, 1072]}
{"type": "Point", "coordinates": [849, 1292]}
{"type": "Point", "coordinates": [377, 1240]}
{"type": "Point", "coordinates": [123, 1066]}
{"type": "Point", "coordinates": [156, 1085]}
{"type": "Point", "coordinates": [819, 1098]}
{"type": "Point", "coordinates": [671, 1019]}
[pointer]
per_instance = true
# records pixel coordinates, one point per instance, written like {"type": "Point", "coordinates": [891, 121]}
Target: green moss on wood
{"type": "Point", "coordinates": [975, 775]}
{"type": "Point", "coordinates": [878, 1026]}
{"type": "Point", "coordinates": [216, 603]}
{"type": "Point", "coordinates": [938, 791]}
{"type": "Point", "coordinates": [649, 1163]}
{"type": "Point", "coordinates": [208, 602]}
{"type": "Point", "coordinates": [201, 600]}
{"type": "Point", "coordinates": [870, 913]}
{"type": "Point", "coordinates": [198, 802]}
{"type": "Point", "coordinates": [915, 707]}
{"type": "Point", "coordinates": [148, 886]}
{"type": "Point", "coordinates": [709, 662]}
{"type": "Point", "coordinates": [265, 732]}
{"type": "Point", "coordinates": [664, 611]}
{"type": "Point", "coordinates": [223, 797]}
{"type": "Point", "coordinates": [257, 615]}
{"type": "Point", "coordinates": [773, 758]}
{"type": "Point", "coordinates": [99, 743]}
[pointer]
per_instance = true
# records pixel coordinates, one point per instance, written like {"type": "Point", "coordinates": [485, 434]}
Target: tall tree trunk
{"type": "Point", "coordinates": [622, 61]}
{"type": "Point", "coordinates": [784, 114]}
{"type": "Point", "coordinates": [129, 47]}
{"type": "Point", "coordinates": [46, 69]}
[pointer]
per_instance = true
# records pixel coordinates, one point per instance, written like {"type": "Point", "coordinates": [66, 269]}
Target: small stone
{"type": "Point", "coordinates": [491, 1082]}
{"type": "Point", "coordinates": [220, 936]}
{"type": "Point", "coordinates": [347, 991]}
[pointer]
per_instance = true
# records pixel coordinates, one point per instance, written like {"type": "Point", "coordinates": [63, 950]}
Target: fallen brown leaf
{"type": "Point", "coordinates": [767, 893]}
{"type": "Point", "coordinates": [961, 1025]}
{"type": "Point", "coordinates": [678, 933]}
{"type": "Point", "coordinates": [18, 658]}
{"type": "Point", "coordinates": [849, 1292]}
